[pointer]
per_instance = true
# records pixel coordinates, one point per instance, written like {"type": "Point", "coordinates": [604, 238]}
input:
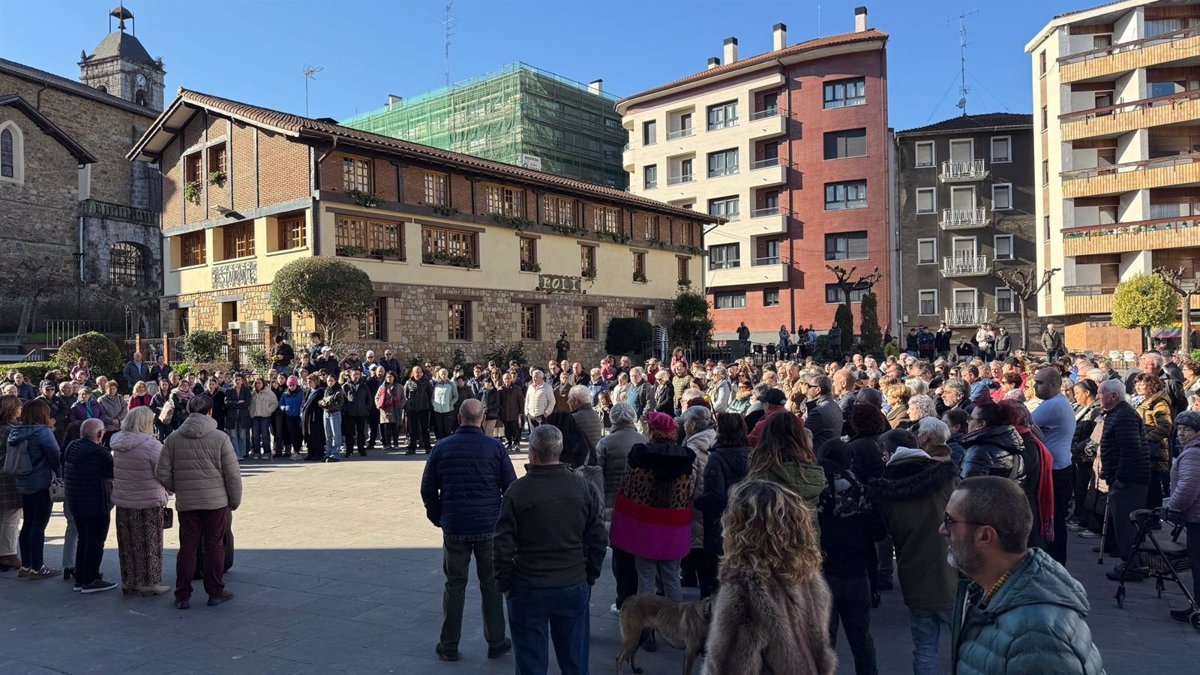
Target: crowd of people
{"type": "Point", "coordinates": [805, 488]}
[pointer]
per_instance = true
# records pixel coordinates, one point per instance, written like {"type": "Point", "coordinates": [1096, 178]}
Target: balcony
{"type": "Point", "coordinates": [1125, 117]}
{"type": "Point", "coordinates": [963, 172]}
{"type": "Point", "coordinates": [1143, 235]}
{"type": "Point", "coordinates": [965, 266]}
{"type": "Point", "coordinates": [768, 220]}
{"type": "Point", "coordinates": [1124, 57]}
{"type": "Point", "coordinates": [769, 270]}
{"type": "Point", "coordinates": [965, 317]}
{"type": "Point", "coordinates": [769, 171]}
{"type": "Point", "coordinates": [1147, 174]}
{"type": "Point", "coordinates": [964, 219]}
{"type": "Point", "coordinates": [764, 125]}
{"type": "Point", "coordinates": [682, 178]}
{"type": "Point", "coordinates": [1088, 299]}
{"type": "Point", "coordinates": [679, 133]}
{"type": "Point", "coordinates": [764, 113]}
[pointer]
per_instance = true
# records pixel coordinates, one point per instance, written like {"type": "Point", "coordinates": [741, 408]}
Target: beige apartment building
{"type": "Point", "coordinates": [1116, 94]}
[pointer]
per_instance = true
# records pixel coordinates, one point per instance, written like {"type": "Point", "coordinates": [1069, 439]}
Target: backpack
{"type": "Point", "coordinates": [853, 502]}
{"type": "Point", "coordinates": [593, 474]}
{"type": "Point", "coordinates": [16, 460]}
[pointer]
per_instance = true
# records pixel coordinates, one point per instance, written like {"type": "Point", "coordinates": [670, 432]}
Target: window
{"type": "Point", "coordinates": [926, 200]}
{"type": "Point", "coordinates": [1001, 149]}
{"type": "Point", "coordinates": [639, 266]}
{"type": "Point", "coordinates": [528, 246]}
{"type": "Point", "coordinates": [587, 261]}
{"type": "Point", "coordinates": [8, 163]}
{"type": "Point", "coordinates": [652, 229]}
{"type": "Point", "coordinates": [191, 249]}
{"type": "Point", "coordinates": [722, 115]}
{"type": "Point", "coordinates": [435, 189]}
{"type": "Point", "coordinates": [589, 323]}
{"type": "Point", "coordinates": [504, 201]}
{"type": "Point", "coordinates": [833, 294]}
{"type": "Point", "coordinates": [192, 168]}
{"type": "Point", "coordinates": [848, 195]}
{"type": "Point", "coordinates": [126, 265]}
{"type": "Point", "coordinates": [769, 105]}
{"type": "Point", "coordinates": [681, 126]}
{"type": "Point", "coordinates": [356, 174]}
{"type": "Point", "coordinates": [770, 297]}
{"type": "Point", "coordinates": [723, 163]}
{"type": "Point", "coordinates": [444, 246]}
{"type": "Point", "coordinates": [531, 321]}
{"type": "Point", "coordinates": [1045, 119]}
{"type": "Point", "coordinates": [1005, 303]}
{"type": "Point", "coordinates": [361, 238]}
{"type": "Point", "coordinates": [217, 160]}
{"type": "Point", "coordinates": [770, 253]}
{"type": "Point", "coordinates": [1004, 247]}
{"type": "Point", "coordinates": [927, 251]}
{"type": "Point", "coordinates": [558, 211]}
{"type": "Point", "coordinates": [1002, 197]}
{"type": "Point", "coordinates": [650, 176]}
{"type": "Point", "coordinates": [843, 93]}
{"type": "Point", "coordinates": [606, 219]}
{"type": "Point", "coordinates": [927, 302]}
{"type": "Point", "coordinates": [736, 300]}
{"type": "Point", "coordinates": [846, 246]}
{"type": "Point", "coordinates": [371, 326]}
{"type": "Point", "coordinates": [293, 233]}
{"type": "Point", "coordinates": [681, 273]}
{"type": "Point", "coordinates": [458, 321]}
{"type": "Point", "coordinates": [848, 143]}
{"type": "Point", "coordinates": [1042, 62]}
{"type": "Point", "coordinates": [238, 240]}
{"type": "Point", "coordinates": [1045, 172]}
{"type": "Point", "coordinates": [1158, 89]}
{"type": "Point", "coordinates": [925, 154]}
{"type": "Point", "coordinates": [724, 207]}
{"type": "Point", "coordinates": [724, 256]}
{"type": "Point", "coordinates": [649, 132]}
{"type": "Point", "coordinates": [1045, 228]}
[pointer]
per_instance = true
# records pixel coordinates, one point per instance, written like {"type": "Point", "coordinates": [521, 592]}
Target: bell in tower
{"type": "Point", "coordinates": [121, 66]}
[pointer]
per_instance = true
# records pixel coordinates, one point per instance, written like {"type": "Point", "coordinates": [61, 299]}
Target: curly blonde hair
{"type": "Point", "coordinates": [769, 531]}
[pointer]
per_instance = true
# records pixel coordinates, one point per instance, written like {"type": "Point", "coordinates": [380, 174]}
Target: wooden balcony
{"type": "Point", "coordinates": [1125, 117]}
{"type": "Point", "coordinates": [1088, 299]}
{"type": "Point", "coordinates": [1126, 56]}
{"type": "Point", "coordinates": [1143, 235]}
{"type": "Point", "coordinates": [1151, 173]}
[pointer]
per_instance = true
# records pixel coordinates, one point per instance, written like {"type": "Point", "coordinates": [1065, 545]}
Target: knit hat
{"type": "Point", "coordinates": [774, 397]}
{"type": "Point", "coordinates": [662, 423]}
{"type": "Point", "coordinates": [293, 381]}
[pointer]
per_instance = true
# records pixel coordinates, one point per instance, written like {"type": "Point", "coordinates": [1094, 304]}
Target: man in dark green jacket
{"type": "Point", "coordinates": [1021, 612]}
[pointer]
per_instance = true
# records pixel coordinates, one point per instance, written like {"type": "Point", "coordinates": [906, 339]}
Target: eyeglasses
{"type": "Point", "coordinates": [949, 522]}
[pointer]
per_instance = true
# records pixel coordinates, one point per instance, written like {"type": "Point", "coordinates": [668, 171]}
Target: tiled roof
{"type": "Point", "coordinates": [77, 151]}
{"type": "Point", "coordinates": [800, 48]}
{"type": "Point", "coordinates": [975, 122]}
{"type": "Point", "coordinates": [70, 86]}
{"type": "Point", "coordinates": [310, 128]}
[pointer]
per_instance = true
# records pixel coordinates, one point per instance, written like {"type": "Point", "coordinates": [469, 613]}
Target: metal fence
{"type": "Point", "coordinates": [59, 331]}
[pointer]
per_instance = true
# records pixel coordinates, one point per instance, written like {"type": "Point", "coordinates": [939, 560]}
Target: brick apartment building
{"type": "Point", "coordinates": [464, 252]}
{"type": "Point", "coordinates": [792, 148]}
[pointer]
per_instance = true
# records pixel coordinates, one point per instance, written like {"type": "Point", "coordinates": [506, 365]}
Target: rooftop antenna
{"type": "Point", "coordinates": [448, 23]}
{"type": "Point", "coordinates": [962, 60]}
{"type": "Point", "coordinates": [818, 19]}
{"type": "Point", "coordinates": [310, 73]}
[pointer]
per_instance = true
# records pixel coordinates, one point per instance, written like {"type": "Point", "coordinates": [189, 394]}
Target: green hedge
{"type": "Point", "coordinates": [33, 371]}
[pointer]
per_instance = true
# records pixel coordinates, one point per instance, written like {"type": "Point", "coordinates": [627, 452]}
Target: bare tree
{"type": "Point", "coordinates": [1185, 288]}
{"type": "Point", "coordinates": [34, 280]}
{"type": "Point", "coordinates": [1026, 284]}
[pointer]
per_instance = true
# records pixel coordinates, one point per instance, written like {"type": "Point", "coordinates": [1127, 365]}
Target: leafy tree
{"type": "Point", "coordinates": [691, 325]}
{"type": "Point", "coordinates": [203, 346]}
{"type": "Point", "coordinates": [1144, 301]}
{"type": "Point", "coordinates": [331, 291]}
{"type": "Point", "coordinates": [871, 336]}
{"type": "Point", "coordinates": [101, 353]}
{"type": "Point", "coordinates": [844, 319]}
{"type": "Point", "coordinates": [627, 335]}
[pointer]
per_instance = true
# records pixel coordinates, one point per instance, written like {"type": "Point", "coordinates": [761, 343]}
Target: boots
{"type": "Point", "coordinates": [10, 562]}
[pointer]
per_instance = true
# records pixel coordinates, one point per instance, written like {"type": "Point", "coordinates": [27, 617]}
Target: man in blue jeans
{"type": "Point", "coordinates": [549, 547]}
{"type": "Point", "coordinates": [464, 480]}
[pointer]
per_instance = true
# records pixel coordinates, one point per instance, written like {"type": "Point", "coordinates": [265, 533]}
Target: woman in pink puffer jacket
{"type": "Point", "coordinates": [139, 499]}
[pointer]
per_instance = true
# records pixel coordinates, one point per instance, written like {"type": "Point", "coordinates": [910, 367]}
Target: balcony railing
{"type": "Point", "coordinates": [766, 260]}
{"type": "Point", "coordinates": [1127, 46]}
{"type": "Point", "coordinates": [1183, 159]}
{"type": "Point", "coordinates": [724, 264]}
{"type": "Point", "coordinates": [765, 211]}
{"type": "Point", "coordinates": [965, 266]}
{"type": "Point", "coordinates": [764, 113]}
{"type": "Point", "coordinates": [676, 180]}
{"type": "Point", "coordinates": [732, 122]}
{"type": "Point", "coordinates": [764, 163]}
{"type": "Point", "coordinates": [1130, 106]}
{"type": "Point", "coordinates": [961, 172]}
{"type": "Point", "coordinates": [726, 171]}
{"type": "Point", "coordinates": [650, 184]}
{"type": "Point", "coordinates": [962, 317]}
{"type": "Point", "coordinates": [962, 219]}
{"type": "Point", "coordinates": [1087, 289]}
{"type": "Point", "coordinates": [679, 133]}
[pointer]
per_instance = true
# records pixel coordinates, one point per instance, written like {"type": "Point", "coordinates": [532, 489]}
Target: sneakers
{"type": "Point", "coordinates": [44, 573]}
{"type": "Point", "coordinates": [223, 596]}
{"type": "Point", "coordinates": [500, 649]}
{"type": "Point", "coordinates": [614, 610]}
{"type": "Point", "coordinates": [450, 654]}
{"type": "Point", "coordinates": [331, 458]}
{"type": "Point", "coordinates": [98, 586]}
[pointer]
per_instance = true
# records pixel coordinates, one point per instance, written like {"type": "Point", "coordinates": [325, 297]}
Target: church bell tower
{"type": "Point", "coordinates": [121, 66]}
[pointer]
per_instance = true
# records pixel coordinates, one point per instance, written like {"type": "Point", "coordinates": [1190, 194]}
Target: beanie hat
{"type": "Point", "coordinates": [662, 423]}
{"type": "Point", "coordinates": [293, 381]}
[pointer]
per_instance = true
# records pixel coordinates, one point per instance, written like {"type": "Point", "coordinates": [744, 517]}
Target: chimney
{"type": "Point", "coordinates": [860, 19]}
{"type": "Point", "coordinates": [779, 33]}
{"type": "Point", "coordinates": [713, 62]}
{"type": "Point", "coordinates": [596, 87]}
{"type": "Point", "coordinates": [730, 50]}
{"type": "Point", "coordinates": [394, 101]}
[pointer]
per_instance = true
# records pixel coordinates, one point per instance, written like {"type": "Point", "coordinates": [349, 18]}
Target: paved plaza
{"type": "Point", "coordinates": [338, 570]}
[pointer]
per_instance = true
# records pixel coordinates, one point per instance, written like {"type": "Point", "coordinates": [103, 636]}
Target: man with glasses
{"type": "Point", "coordinates": [1021, 612]}
{"type": "Point", "coordinates": [389, 363]}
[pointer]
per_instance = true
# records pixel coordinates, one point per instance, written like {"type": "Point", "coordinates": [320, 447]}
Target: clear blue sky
{"type": "Point", "coordinates": [255, 50]}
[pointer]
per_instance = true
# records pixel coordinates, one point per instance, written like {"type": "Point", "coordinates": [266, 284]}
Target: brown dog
{"type": "Point", "coordinates": [683, 625]}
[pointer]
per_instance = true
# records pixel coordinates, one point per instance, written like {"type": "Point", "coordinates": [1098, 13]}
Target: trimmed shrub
{"type": "Point", "coordinates": [203, 345]}
{"type": "Point", "coordinates": [33, 371]}
{"type": "Point", "coordinates": [627, 336]}
{"type": "Point", "coordinates": [100, 352]}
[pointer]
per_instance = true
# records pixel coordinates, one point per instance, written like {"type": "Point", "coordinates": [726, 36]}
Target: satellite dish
{"type": "Point", "coordinates": [962, 103]}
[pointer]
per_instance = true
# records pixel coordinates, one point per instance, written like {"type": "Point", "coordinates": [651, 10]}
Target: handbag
{"type": "Point", "coordinates": [58, 490]}
{"type": "Point", "coordinates": [593, 475]}
{"type": "Point", "coordinates": [16, 460]}
{"type": "Point", "coordinates": [168, 517]}
{"type": "Point", "coordinates": [167, 412]}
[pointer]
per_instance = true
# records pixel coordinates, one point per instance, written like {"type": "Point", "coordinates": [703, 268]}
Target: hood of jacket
{"type": "Point", "coordinates": [1039, 581]}
{"type": "Point", "coordinates": [197, 426]}
{"type": "Point", "coordinates": [1003, 436]}
{"type": "Point", "coordinates": [913, 478]}
{"type": "Point", "coordinates": [702, 441]}
{"type": "Point", "coordinates": [806, 480]}
{"type": "Point", "coordinates": [24, 432]}
{"type": "Point", "coordinates": [128, 441]}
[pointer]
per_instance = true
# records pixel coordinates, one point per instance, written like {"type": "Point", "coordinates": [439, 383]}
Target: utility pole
{"type": "Point", "coordinates": [310, 73]}
{"type": "Point", "coordinates": [448, 23]}
{"type": "Point", "coordinates": [962, 60]}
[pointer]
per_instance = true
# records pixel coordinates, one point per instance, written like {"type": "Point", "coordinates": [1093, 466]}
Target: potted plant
{"type": "Point", "coordinates": [639, 277]}
{"type": "Point", "coordinates": [191, 192]}
{"type": "Point", "coordinates": [363, 198]}
{"type": "Point", "coordinates": [530, 266]}
{"type": "Point", "coordinates": [217, 178]}
{"type": "Point", "coordinates": [352, 251]}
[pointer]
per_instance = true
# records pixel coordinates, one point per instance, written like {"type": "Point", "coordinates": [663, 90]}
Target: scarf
{"type": "Point", "coordinates": [1045, 490]}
